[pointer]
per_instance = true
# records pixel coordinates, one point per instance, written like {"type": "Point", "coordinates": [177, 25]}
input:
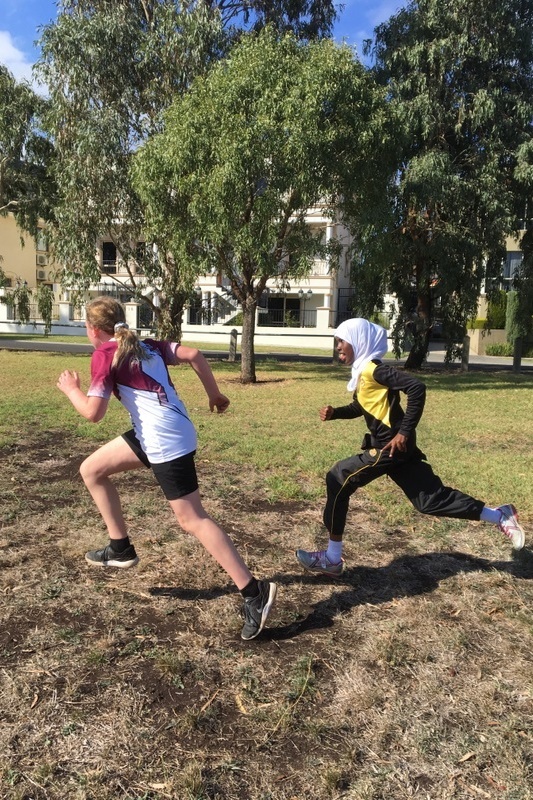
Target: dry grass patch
{"type": "Point", "coordinates": [412, 677]}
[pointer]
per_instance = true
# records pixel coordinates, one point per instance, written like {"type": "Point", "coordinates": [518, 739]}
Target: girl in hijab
{"type": "Point", "coordinates": [389, 448]}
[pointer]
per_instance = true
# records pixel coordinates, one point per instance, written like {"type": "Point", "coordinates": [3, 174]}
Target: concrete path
{"type": "Point", "coordinates": [435, 358]}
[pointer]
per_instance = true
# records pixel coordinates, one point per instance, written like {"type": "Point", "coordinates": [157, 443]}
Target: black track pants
{"type": "Point", "coordinates": [414, 476]}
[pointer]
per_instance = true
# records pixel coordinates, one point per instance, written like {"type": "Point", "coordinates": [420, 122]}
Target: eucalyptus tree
{"type": "Point", "coordinates": [279, 127]}
{"type": "Point", "coordinates": [523, 280]}
{"type": "Point", "coordinates": [112, 67]}
{"type": "Point", "coordinates": [459, 78]}
{"type": "Point", "coordinates": [26, 153]}
{"type": "Point", "coordinates": [307, 19]}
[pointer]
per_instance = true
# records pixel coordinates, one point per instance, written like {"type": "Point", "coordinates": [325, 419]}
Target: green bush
{"type": "Point", "coordinates": [478, 324]}
{"type": "Point", "coordinates": [519, 322]}
{"type": "Point", "coordinates": [236, 320]}
{"type": "Point", "coordinates": [497, 310]}
{"type": "Point", "coordinates": [502, 349]}
{"type": "Point", "coordinates": [507, 349]}
{"type": "Point", "coordinates": [383, 319]}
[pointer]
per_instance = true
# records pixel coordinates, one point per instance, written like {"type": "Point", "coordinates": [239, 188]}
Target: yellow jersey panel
{"type": "Point", "coordinates": [373, 396]}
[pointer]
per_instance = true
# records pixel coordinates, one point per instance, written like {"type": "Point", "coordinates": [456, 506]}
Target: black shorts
{"type": "Point", "coordinates": [177, 478]}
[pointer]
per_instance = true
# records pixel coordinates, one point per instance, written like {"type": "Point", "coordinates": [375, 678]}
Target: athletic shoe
{"type": "Point", "coordinates": [318, 563]}
{"type": "Point", "coordinates": [107, 557]}
{"type": "Point", "coordinates": [256, 610]}
{"type": "Point", "coordinates": [508, 525]}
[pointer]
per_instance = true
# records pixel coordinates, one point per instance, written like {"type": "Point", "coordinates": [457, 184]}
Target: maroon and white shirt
{"type": "Point", "coordinates": [144, 388]}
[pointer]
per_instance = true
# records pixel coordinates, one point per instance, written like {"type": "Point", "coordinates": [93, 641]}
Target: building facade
{"type": "Point", "coordinates": [302, 312]}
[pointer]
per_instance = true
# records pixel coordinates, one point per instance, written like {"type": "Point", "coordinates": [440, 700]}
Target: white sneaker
{"type": "Point", "coordinates": [509, 526]}
{"type": "Point", "coordinates": [318, 563]}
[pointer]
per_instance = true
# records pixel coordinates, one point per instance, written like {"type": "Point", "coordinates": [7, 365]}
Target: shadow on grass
{"type": "Point", "coordinates": [405, 576]}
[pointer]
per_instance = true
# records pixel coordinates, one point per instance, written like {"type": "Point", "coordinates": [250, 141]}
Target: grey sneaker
{"type": "Point", "coordinates": [107, 557]}
{"type": "Point", "coordinates": [509, 526]}
{"type": "Point", "coordinates": [257, 609]}
{"type": "Point", "coordinates": [318, 563]}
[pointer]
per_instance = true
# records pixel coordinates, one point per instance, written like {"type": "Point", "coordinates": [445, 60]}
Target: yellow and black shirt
{"type": "Point", "coordinates": [377, 399]}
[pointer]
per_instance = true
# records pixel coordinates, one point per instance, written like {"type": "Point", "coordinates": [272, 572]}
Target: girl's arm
{"type": "Point", "coordinates": [197, 360]}
{"type": "Point", "coordinates": [92, 408]}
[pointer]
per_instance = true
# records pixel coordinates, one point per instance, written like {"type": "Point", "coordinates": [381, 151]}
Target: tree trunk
{"type": "Point", "coordinates": [421, 324]}
{"type": "Point", "coordinates": [169, 316]}
{"type": "Point", "coordinates": [247, 341]}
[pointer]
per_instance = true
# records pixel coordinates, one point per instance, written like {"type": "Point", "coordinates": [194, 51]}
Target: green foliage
{"type": "Point", "coordinates": [111, 70]}
{"type": "Point", "coordinates": [501, 349]}
{"type": "Point", "coordinates": [236, 320]}
{"type": "Point", "coordinates": [276, 129]}
{"type": "Point", "coordinates": [518, 323]}
{"type": "Point", "coordinates": [507, 349]}
{"type": "Point", "coordinates": [26, 155]}
{"type": "Point", "coordinates": [522, 324]}
{"type": "Point", "coordinates": [380, 318]}
{"type": "Point", "coordinates": [459, 77]}
{"type": "Point", "coordinates": [20, 298]}
{"type": "Point", "coordinates": [307, 19]}
{"type": "Point", "coordinates": [497, 310]}
{"type": "Point", "coordinates": [45, 300]}
{"type": "Point", "coordinates": [105, 100]}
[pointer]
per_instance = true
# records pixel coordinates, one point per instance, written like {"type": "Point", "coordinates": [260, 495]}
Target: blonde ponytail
{"type": "Point", "coordinates": [107, 314]}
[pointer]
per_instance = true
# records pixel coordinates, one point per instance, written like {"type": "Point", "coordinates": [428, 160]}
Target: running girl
{"type": "Point", "coordinates": [388, 449]}
{"type": "Point", "coordinates": [163, 438]}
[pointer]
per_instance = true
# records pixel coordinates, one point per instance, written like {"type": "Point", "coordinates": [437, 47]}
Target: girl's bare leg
{"type": "Point", "coordinates": [193, 518]}
{"type": "Point", "coordinates": [115, 456]}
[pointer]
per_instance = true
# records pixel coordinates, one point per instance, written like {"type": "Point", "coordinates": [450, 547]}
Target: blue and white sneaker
{"type": "Point", "coordinates": [509, 526]}
{"type": "Point", "coordinates": [318, 563]}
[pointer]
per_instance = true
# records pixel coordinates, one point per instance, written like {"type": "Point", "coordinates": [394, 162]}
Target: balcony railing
{"type": "Point", "coordinates": [320, 266]}
{"type": "Point", "coordinates": [277, 318]}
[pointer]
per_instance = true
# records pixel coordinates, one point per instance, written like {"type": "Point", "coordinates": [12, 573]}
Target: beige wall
{"type": "Point", "coordinates": [480, 340]}
{"type": "Point", "coordinates": [21, 262]}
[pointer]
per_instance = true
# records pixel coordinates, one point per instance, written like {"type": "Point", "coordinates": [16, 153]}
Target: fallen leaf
{"type": "Point", "coordinates": [466, 757]}
{"type": "Point", "coordinates": [240, 704]}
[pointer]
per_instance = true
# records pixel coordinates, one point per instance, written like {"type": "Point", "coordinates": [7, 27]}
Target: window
{"type": "Point", "coordinates": [109, 258]}
{"type": "Point", "coordinates": [512, 264]}
{"type": "Point", "coordinates": [42, 242]}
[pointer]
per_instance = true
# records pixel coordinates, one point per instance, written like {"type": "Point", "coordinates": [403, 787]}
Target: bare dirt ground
{"type": "Point", "coordinates": [412, 677]}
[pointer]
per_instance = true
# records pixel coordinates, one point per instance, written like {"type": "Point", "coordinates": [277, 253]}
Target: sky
{"type": "Point", "coordinates": [21, 19]}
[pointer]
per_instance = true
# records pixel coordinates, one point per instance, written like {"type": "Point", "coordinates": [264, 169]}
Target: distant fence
{"type": "Point", "coordinates": [35, 315]}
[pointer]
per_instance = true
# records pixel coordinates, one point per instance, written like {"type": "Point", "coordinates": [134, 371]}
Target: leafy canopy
{"type": "Point", "coordinates": [276, 129]}
{"type": "Point", "coordinates": [26, 154]}
{"type": "Point", "coordinates": [112, 68]}
{"type": "Point", "coordinates": [458, 75]}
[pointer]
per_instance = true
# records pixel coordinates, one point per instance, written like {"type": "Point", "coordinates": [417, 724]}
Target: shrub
{"type": "Point", "coordinates": [518, 322]}
{"type": "Point", "coordinates": [478, 324]}
{"type": "Point", "coordinates": [507, 349]}
{"type": "Point", "coordinates": [236, 320]}
{"type": "Point", "coordinates": [502, 349]}
{"type": "Point", "coordinates": [496, 310]}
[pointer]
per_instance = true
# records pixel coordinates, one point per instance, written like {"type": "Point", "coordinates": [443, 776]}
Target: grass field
{"type": "Point", "coordinates": [412, 677]}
